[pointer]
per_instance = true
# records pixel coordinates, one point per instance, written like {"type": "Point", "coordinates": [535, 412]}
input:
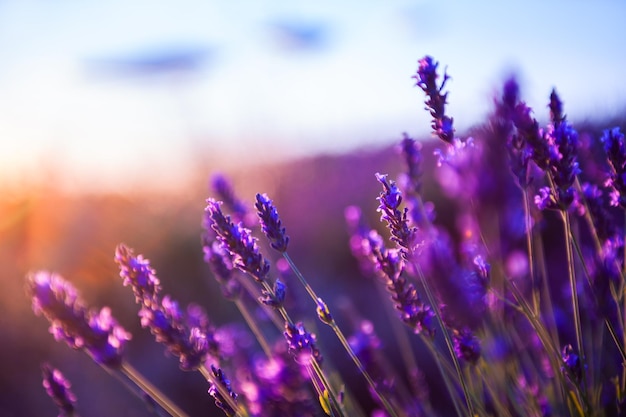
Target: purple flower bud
{"type": "Point", "coordinates": [466, 345]}
{"type": "Point", "coordinates": [58, 388]}
{"type": "Point", "coordinates": [276, 298]}
{"type": "Point", "coordinates": [301, 343]}
{"type": "Point", "coordinates": [220, 401]}
{"type": "Point", "coordinates": [615, 148]}
{"type": "Point", "coordinates": [556, 109]}
{"type": "Point", "coordinates": [96, 332]}
{"type": "Point", "coordinates": [390, 199]}
{"type": "Point", "coordinates": [239, 242]}
{"type": "Point", "coordinates": [426, 79]}
{"type": "Point", "coordinates": [270, 223]}
{"type": "Point", "coordinates": [571, 364]}
{"type": "Point", "coordinates": [225, 192]}
{"type": "Point", "coordinates": [323, 312]}
{"type": "Point", "coordinates": [136, 272]}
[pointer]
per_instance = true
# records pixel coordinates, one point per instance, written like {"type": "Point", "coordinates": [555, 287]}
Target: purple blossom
{"type": "Point", "coordinates": [301, 343]}
{"type": "Point", "coordinates": [220, 262]}
{"type": "Point", "coordinates": [137, 272]}
{"type": "Point", "coordinates": [563, 167]}
{"type": "Point", "coordinates": [220, 401]}
{"type": "Point", "coordinates": [238, 240]}
{"type": "Point", "coordinates": [323, 313]}
{"type": "Point", "coordinates": [413, 312]}
{"type": "Point", "coordinates": [95, 331]}
{"type": "Point", "coordinates": [225, 192]}
{"type": "Point", "coordinates": [529, 132]}
{"type": "Point", "coordinates": [389, 207]}
{"type": "Point", "coordinates": [466, 345]}
{"type": "Point", "coordinates": [58, 388]}
{"type": "Point", "coordinates": [275, 298]}
{"type": "Point", "coordinates": [270, 223]}
{"type": "Point", "coordinates": [571, 364]}
{"type": "Point", "coordinates": [556, 109]}
{"type": "Point", "coordinates": [413, 158]}
{"type": "Point", "coordinates": [187, 337]}
{"type": "Point", "coordinates": [169, 326]}
{"type": "Point", "coordinates": [426, 79]}
{"type": "Point", "coordinates": [615, 148]}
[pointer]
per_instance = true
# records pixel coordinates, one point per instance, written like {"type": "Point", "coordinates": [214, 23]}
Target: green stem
{"type": "Point", "coordinates": [529, 247]}
{"type": "Point", "coordinates": [254, 327]}
{"type": "Point", "coordinates": [342, 338]}
{"type": "Point", "coordinates": [152, 391]}
{"type": "Point", "coordinates": [448, 339]}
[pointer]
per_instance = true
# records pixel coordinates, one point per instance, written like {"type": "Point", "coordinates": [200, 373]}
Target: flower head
{"type": "Point", "coordinates": [615, 149]}
{"type": "Point", "coordinates": [426, 79]}
{"type": "Point", "coordinates": [58, 388]}
{"type": "Point", "coordinates": [301, 343]}
{"type": "Point", "coordinates": [239, 242]}
{"type": "Point", "coordinates": [397, 221]}
{"type": "Point", "coordinates": [466, 345]}
{"type": "Point", "coordinates": [137, 272]}
{"type": "Point", "coordinates": [81, 328]}
{"type": "Point", "coordinates": [270, 223]}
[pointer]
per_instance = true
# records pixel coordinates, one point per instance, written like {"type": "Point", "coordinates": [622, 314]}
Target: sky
{"type": "Point", "coordinates": [106, 94]}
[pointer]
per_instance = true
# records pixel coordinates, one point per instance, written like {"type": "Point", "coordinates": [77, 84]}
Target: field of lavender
{"type": "Point", "coordinates": [473, 275]}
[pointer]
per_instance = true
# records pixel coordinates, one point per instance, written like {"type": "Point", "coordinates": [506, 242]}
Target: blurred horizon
{"type": "Point", "coordinates": [111, 96]}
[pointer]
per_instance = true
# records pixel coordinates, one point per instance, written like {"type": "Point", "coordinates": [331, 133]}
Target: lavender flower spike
{"type": "Point", "coordinates": [58, 388]}
{"type": "Point", "coordinates": [219, 399]}
{"type": "Point", "coordinates": [301, 343]}
{"type": "Point", "coordinates": [96, 332]}
{"type": "Point", "coordinates": [238, 240]}
{"type": "Point", "coordinates": [397, 221]}
{"type": "Point", "coordinates": [136, 272]}
{"type": "Point", "coordinates": [615, 148]}
{"type": "Point", "coordinates": [426, 78]}
{"type": "Point", "coordinates": [271, 224]}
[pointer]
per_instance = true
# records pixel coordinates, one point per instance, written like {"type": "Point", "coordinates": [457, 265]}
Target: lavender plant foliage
{"type": "Point", "coordinates": [59, 389]}
{"type": "Point", "coordinates": [97, 332]}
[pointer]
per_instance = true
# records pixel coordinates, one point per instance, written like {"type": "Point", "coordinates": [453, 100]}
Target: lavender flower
{"type": "Point", "coordinates": [426, 79]}
{"type": "Point", "coordinates": [556, 109]}
{"type": "Point", "coordinates": [529, 132]}
{"type": "Point", "coordinates": [571, 364]}
{"type": "Point", "coordinates": [390, 199]}
{"type": "Point", "coordinates": [137, 272]}
{"type": "Point", "coordinates": [239, 242]}
{"type": "Point", "coordinates": [185, 338]}
{"type": "Point", "coordinates": [413, 312]}
{"type": "Point", "coordinates": [301, 343]}
{"type": "Point", "coordinates": [615, 148]}
{"type": "Point", "coordinates": [221, 263]}
{"type": "Point", "coordinates": [466, 345]}
{"type": "Point", "coordinates": [563, 166]}
{"type": "Point", "coordinates": [413, 158]}
{"type": "Point", "coordinates": [276, 298]}
{"type": "Point", "coordinates": [224, 190]}
{"type": "Point", "coordinates": [58, 388]}
{"type": "Point", "coordinates": [220, 401]}
{"type": "Point", "coordinates": [95, 331]}
{"type": "Point", "coordinates": [323, 312]}
{"type": "Point", "coordinates": [270, 223]}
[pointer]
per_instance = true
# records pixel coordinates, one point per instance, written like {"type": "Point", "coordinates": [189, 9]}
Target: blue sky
{"type": "Point", "coordinates": [135, 91]}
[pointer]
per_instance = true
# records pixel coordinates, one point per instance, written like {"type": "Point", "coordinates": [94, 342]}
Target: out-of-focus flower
{"type": "Point", "coordinates": [81, 328]}
{"type": "Point", "coordinates": [58, 388]}
{"type": "Point", "coordinates": [301, 343]}
{"type": "Point", "coordinates": [466, 345]}
{"type": "Point", "coordinates": [615, 148]}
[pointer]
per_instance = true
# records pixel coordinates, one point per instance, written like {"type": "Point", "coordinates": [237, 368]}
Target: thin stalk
{"type": "Point", "coordinates": [152, 391]}
{"type": "Point", "coordinates": [344, 342]}
{"type": "Point", "coordinates": [529, 247]}
{"type": "Point", "coordinates": [575, 302]}
{"type": "Point", "coordinates": [252, 324]}
{"type": "Point", "coordinates": [448, 339]}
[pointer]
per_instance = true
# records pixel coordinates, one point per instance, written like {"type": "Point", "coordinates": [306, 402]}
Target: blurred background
{"type": "Point", "coordinates": [114, 116]}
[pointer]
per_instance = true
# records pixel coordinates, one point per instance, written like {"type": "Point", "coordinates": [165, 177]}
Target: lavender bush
{"type": "Point", "coordinates": [505, 297]}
